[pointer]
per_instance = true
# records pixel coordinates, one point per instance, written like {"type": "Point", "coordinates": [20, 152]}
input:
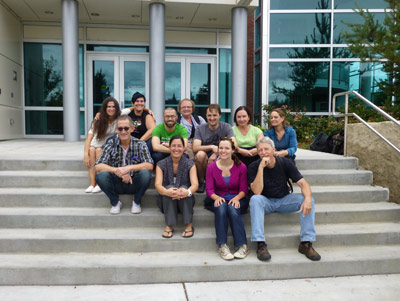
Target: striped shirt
{"type": "Point", "coordinates": [113, 153]}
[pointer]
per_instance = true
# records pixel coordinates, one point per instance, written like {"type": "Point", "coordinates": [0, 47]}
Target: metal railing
{"type": "Point", "coordinates": [347, 115]}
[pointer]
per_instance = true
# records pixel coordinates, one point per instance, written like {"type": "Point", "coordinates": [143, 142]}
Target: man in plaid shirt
{"type": "Point", "coordinates": [124, 167]}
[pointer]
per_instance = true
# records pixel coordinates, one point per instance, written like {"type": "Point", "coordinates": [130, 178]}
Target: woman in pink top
{"type": "Point", "coordinates": [226, 187]}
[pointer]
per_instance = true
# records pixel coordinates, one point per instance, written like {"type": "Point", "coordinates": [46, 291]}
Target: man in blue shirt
{"type": "Point", "coordinates": [124, 167]}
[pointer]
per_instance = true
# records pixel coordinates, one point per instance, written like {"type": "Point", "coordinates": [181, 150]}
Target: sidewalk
{"type": "Point", "coordinates": [365, 288]}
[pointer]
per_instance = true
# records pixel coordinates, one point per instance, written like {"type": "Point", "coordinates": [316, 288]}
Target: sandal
{"type": "Point", "coordinates": [184, 234]}
{"type": "Point", "coordinates": [169, 233]}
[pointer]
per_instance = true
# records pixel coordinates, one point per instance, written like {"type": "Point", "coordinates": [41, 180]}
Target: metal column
{"type": "Point", "coordinates": [157, 60]}
{"type": "Point", "coordinates": [70, 53]}
{"type": "Point", "coordinates": [239, 57]}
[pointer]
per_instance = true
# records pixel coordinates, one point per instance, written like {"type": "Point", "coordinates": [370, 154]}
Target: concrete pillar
{"type": "Point", "coordinates": [157, 60]}
{"type": "Point", "coordinates": [70, 52]}
{"type": "Point", "coordinates": [239, 57]}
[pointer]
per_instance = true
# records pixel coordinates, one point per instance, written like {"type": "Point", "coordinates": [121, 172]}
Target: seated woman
{"type": "Point", "coordinates": [176, 181]}
{"type": "Point", "coordinates": [142, 119]}
{"type": "Point", "coordinates": [283, 135]}
{"type": "Point", "coordinates": [189, 120]}
{"type": "Point", "coordinates": [102, 128]}
{"type": "Point", "coordinates": [226, 187]}
{"type": "Point", "coordinates": [246, 136]}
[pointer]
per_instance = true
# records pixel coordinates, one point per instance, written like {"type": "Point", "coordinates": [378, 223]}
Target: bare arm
{"type": "Point", "coordinates": [86, 150]}
{"type": "Point", "coordinates": [150, 125]}
{"type": "Point", "coordinates": [198, 147]}
{"type": "Point", "coordinates": [158, 147]}
{"type": "Point", "coordinates": [258, 184]}
{"type": "Point", "coordinates": [306, 206]}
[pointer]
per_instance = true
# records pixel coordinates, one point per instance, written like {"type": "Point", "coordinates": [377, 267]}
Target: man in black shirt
{"type": "Point", "coordinates": [269, 182]}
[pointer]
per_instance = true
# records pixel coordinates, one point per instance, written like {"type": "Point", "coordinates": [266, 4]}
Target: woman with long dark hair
{"type": "Point", "coordinates": [102, 128]}
{"type": "Point", "coordinates": [226, 187]}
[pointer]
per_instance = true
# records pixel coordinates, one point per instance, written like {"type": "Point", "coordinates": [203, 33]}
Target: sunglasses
{"type": "Point", "coordinates": [120, 129]}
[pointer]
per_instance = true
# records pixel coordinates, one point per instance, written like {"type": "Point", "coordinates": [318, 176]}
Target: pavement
{"type": "Point", "coordinates": [365, 288]}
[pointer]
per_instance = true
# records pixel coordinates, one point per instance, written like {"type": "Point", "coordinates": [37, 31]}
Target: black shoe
{"type": "Point", "coordinates": [262, 252]}
{"type": "Point", "coordinates": [307, 249]}
{"type": "Point", "coordinates": [202, 187]}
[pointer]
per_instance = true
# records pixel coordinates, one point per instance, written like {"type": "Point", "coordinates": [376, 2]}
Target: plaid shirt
{"type": "Point", "coordinates": [113, 153]}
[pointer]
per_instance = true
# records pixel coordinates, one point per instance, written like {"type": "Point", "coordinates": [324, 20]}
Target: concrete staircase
{"type": "Point", "coordinates": [52, 233]}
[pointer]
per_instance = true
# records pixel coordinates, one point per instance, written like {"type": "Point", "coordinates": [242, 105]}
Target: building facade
{"type": "Point", "coordinates": [230, 52]}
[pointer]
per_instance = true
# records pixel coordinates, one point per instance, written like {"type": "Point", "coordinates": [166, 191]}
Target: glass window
{"type": "Point", "coordinates": [225, 77]}
{"type": "Point", "coordinates": [300, 28]}
{"type": "Point", "coordinates": [103, 82]}
{"type": "Point", "coordinates": [112, 48]}
{"type": "Point", "coordinates": [190, 50]}
{"type": "Point", "coordinates": [173, 79]}
{"type": "Point", "coordinates": [343, 4]}
{"type": "Point", "coordinates": [257, 57]}
{"type": "Point", "coordinates": [361, 77]}
{"type": "Point", "coordinates": [352, 18]}
{"type": "Point", "coordinates": [342, 52]}
{"type": "Point", "coordinates": [302, 85]}
{"type": "Point", "coordinates": [298, 4]}
{"type": "Point", "coordinates": [257, 98]}
{"type": "Point", "coordinates": [200, 92]}
{"type": "Point", "coordinates": [43, 75]}
{"type": "Point", "coordinates": [257, 34]}
{"type": "Point", "coordinates": [48, 122]}
{"type": "Point", "coordinates": [305, 52]}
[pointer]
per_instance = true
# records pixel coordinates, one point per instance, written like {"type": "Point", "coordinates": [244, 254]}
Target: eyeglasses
{"type": "Point", "coordinates": [125, 128]}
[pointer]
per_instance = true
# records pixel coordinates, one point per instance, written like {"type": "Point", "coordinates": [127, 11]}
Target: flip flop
{"type": "Point", "coordinates": [188, 231]}
{"type": "Point", "coordinates": [168, 234]}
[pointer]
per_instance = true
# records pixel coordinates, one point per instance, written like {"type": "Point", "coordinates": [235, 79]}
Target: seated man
{"type": "Point", "coordinates": [206, 139]}
{"type": "Point", "coordinates": [163, 132]}
{"type": "Point", "coordinates": [269, 182]}
{"type": "Point", "coordinates": [124, 166]}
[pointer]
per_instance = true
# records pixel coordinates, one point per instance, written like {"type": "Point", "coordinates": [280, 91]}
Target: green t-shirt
{"type": "Point", "coordinates": [160, 132]}
{"type": "Point", "coordinates": [250, 140]}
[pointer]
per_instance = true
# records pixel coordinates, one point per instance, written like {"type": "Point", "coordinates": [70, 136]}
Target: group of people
{"type": "Point", "coordinates": [191, 155]}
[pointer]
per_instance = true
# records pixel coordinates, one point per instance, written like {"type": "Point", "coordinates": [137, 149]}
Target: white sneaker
{"type": "Point", "coordinates": [97, 189]}
{"type": "Point", "coordinates": [89, 189]}
{"type": "Point", "coordinates": [116, 209]}
{"type": "Point", "coordinates": [136, 209]}
{"type": "Point", "coordinates": [242, 252]}
{"type": "Point", "coordinates": [225, 253]}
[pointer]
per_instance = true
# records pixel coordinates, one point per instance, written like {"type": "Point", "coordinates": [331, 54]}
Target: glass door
{"type": "Point", "coordinates": [134, 76]}
{"type": "Point", "coordinates": [190, 77]}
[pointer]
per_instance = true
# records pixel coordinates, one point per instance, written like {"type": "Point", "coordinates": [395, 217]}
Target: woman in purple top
{"type": "Point", "coordinates": [226, 187]}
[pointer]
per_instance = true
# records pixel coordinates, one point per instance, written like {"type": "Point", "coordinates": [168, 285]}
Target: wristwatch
{"type": "Point", "coordinates": [189, 192]}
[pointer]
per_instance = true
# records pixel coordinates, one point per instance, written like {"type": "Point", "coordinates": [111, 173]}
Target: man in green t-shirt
{"type": "Point", "coordinates": [163, 132]}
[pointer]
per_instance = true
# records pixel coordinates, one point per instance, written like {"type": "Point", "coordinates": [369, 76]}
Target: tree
{"type": "Point", "coordinates": [373, 40]}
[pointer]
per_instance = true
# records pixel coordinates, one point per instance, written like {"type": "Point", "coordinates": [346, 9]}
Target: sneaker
{"type": "Point", "coordinates": [262, 252]}
{"type": "Point", "coordinates": [242, 252]}
{"type": "Point", "coordinates": [136, 209]}
{"type": "Point", "coordinates": [97, 189]}
{"type": "Point", "coordinates": [202, 187]}
{"type": "Point", "coordinates": [225, 253]}
{"type": "Point", "coordinates": [116, 209]}
{"type": "Point", "coordinates": [89, 189]}
{"type": "Point", "coordinates": [307, 249]}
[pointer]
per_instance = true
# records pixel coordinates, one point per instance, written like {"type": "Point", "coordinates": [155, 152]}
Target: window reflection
{"type": "Point", "coordinates": [361, 77]}
{"type": "Point", "coordinates": [103, 82]}
{"type": "Point", "coordinates": [48, 122]}
{"type": "Point", "coordinates": [172, 83]}
{"type": "Point", "coordinates": [351, 4]}
{"type": "Point", "coordinates": [302, 85]}
{"type": "Point", "coordinates": [296, 4]}
{"type": "Point", "coordinates": [134, 80]}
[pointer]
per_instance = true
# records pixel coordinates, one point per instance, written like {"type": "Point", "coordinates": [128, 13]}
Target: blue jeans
{"type": "Point", "coordinates": [226, 212]}
{"type": "Point", "coordinates": [113, 185]}
{"type": "Point", "coordinates": [259, 205]}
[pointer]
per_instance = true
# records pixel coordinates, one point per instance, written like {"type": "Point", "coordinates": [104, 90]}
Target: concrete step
{"type": "Point", "coordinates": [53, 217]}
{"type": "Point", "coordinates": [75, 197]}
{"type": "Point", "coordinates": [80, 179]}
{"type": "Point", "coordinates": [150, 240]}
{"type": "Point", "coordinates": [188, 266]}
{"type": "Point", "coordinates": [335, 162]}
